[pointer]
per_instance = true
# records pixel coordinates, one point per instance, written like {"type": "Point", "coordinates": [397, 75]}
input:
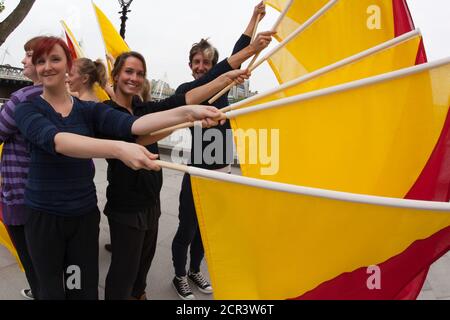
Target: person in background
{"type": "Point", "coordinates": [83, 76]}
{"type": "Point", "coordinates": [14, 169]}
{"type": "Point", "coordinates": [203, 62]}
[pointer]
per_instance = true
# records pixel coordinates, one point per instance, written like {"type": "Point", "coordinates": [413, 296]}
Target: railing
{"type": "Point", "coordinates": [12, 73]}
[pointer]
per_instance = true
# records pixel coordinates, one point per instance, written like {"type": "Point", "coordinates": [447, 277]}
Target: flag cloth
{"type": "Point", "coordinates": [347, 28]}
{"type": "Point", "coordinates": [5, 240]}
{"type": "Point", "coordinates": [114, 44]}
{"type": "Point", "coordinates": [395, 57]}
{"type": "Point", "coordinates": [298, 243]}
{"type": "Point", "coordinates": [77, 52]}
{"type": "Point", "coordinates": [373, 136]}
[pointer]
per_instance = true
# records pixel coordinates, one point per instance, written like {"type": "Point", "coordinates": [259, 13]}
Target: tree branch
{"type": "Point", "coordinates": [16, 17]}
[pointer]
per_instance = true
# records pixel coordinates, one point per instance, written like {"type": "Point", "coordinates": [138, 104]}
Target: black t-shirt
{"type": "Point", "coordinates": [131, 191]}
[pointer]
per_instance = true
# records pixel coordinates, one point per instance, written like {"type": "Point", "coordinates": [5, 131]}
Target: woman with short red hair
{"type": "Point", "coordinates": [63, 225]}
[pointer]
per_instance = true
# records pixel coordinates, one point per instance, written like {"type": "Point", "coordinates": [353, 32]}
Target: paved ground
{"type": "Point", "coordinates": [12, 280]}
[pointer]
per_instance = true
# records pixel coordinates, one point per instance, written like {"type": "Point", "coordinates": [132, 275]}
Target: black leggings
{"type": "Point", "coordinates": [132, 254]}
{"type": "Point", "coordinates": [17, 234]}
{"type": "Point", "coordinates": [64, 251]}
{"type": "Point", "coordinates": [188, 233]}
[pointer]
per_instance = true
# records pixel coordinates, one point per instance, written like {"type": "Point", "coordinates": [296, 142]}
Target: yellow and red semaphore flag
{"type": "Point", "coordinates": [376, 136]}
{"type": "Point", "coordinates": [302, 243]}
{"type": "Point", "coordinates": [77, 52]}
{"type": "Point", "coordinates": [371, 136]}
{"type": "Point", "coordinates": [347, 28]}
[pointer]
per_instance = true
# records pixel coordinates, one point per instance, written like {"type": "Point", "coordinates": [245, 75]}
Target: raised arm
{"type": "Point", "coordinates": [261, 42]}
{"type": "Point", "coordinates": [260, 10]}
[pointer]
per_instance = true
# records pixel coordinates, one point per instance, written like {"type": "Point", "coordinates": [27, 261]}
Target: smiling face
{"type": "Point", "coordinates": [200, 65]}
{"type": "Point", "coordinates": [52, 68]}
{"type": "Point", "coordinates": [131, 77]}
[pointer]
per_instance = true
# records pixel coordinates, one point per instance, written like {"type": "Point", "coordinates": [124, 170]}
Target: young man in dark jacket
{"type": "Point", "coordinates": [203, 59]}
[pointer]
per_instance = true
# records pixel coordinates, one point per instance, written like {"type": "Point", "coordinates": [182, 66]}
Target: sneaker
{"type": "Point", "coordinates": [27, 294]}
{"type": "Point", "coordinates": [199, 280]}
{"type": "Point", "coordinates": [183, 289]}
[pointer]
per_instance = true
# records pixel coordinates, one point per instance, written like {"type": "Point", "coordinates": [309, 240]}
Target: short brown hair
{"type": "Point", "coordinates": [31, 44]}
{"type": "Point", "coordinates": [205, 48]}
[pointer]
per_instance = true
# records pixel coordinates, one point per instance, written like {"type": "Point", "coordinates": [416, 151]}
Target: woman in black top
{"type": "Point", "coordinates": [133, 205]}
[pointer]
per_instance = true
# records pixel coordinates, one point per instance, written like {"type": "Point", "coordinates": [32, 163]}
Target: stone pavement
{"type": "Point", "coordinates": [160, 276]}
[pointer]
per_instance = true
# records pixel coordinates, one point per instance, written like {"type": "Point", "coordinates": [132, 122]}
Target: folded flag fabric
{"type": "Point", "coordinates": [303, 243]}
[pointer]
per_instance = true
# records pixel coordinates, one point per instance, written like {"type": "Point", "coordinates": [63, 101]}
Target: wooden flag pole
{"type": "Point", "coordinates": [173, 166]}
{"type": "Point", "coordinates": [281, 45]}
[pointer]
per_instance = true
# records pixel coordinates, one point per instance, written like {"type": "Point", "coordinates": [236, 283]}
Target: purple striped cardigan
{"type": "Point", "coordinates": [15, 158]}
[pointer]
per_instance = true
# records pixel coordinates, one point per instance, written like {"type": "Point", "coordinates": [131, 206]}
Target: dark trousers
{"type": "Point", "coordinates": [64, 251]}
{"type": "Point", "coordinates": [188, 233]}
{"type": "Point", "coordinates": [17, 234]}
{"type": "Point", "coordinates": [131, 257]}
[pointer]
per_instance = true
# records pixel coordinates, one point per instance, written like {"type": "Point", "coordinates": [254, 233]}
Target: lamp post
{"type": "Point", "coordinates": [125, 4]}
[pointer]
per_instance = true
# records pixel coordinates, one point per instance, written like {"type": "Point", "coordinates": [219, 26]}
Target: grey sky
{"type": "Point", "coordinates": [164, 30]}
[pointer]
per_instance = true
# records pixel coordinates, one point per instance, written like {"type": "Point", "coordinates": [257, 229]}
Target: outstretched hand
{"type": "Point", "coordinates": [208, 115]}
{"type": "Point", "coordinates": [237, 76]}
{"type": "Point", "coordinates": [137, 157]}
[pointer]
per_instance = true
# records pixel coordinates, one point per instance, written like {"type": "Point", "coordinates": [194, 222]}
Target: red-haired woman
{"type": "Point", "coordinates": [63, 224]}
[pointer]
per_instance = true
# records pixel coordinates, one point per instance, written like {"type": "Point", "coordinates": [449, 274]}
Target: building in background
{"type": "Point", "coordinates": [160, 89]}
{"type": "Point", "coordinates": [240, 92]}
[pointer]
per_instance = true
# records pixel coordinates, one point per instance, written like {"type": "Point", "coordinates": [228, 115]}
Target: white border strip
{"type": "Point", "coordinates": [339, 64]}
{"type": "Point", "coordinates": [321, 193]}
{"type": "Point", "coordinates": [340, 88]}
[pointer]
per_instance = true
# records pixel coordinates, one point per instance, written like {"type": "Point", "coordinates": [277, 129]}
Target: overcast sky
{"type": "Point", "coordinates": [164, 30]}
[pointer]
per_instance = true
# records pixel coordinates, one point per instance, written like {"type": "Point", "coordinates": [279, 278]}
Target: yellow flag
{"type": "Point", "coordinates": [398, 55]}
{"type": "Point", "coordinates": [114, 44]}
{"type": "Point", "coordinates": [347, 28]}
{"type": "Point", "coordinates": [296, 240]}
{"type": "Point", "coordinates": [373, 136]}
{"type": "Point", "coordinates": [77, 52]}
{"type": "Point", "coordinates": [5, 241]}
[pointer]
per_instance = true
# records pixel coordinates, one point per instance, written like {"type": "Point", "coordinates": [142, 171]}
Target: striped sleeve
{"type": "Point", "coordinates": [35, 127]}
{"type": "Point", "coordinates": [7, 123]}
{"type": "Point", "coordinates": [8, 126]}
